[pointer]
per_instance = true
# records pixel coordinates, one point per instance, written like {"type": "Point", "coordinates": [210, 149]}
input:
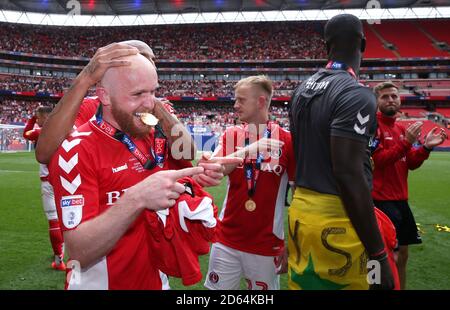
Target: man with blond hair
{"type": "Point", "coordinates": [251, 235]}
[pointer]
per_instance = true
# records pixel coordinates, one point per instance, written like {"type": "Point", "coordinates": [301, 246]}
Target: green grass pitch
{"type": "Point", "coordinates": [25, 252]}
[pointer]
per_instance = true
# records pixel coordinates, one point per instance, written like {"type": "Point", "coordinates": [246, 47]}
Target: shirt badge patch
{"type": "Point", "coordinates": [72, 210]}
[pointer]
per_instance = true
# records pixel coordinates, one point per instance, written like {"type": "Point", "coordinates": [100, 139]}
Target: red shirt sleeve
{"type": "Point", "coordinates": [87, 110]}
{"type": "Point", "coordinates": [416, 157]}
{"type": "Point", "coordinates": [75, 183]}
{"type": "Point", "coordinates": [29, 132]}
{"type": "Point", "coordinates": [387, 156]}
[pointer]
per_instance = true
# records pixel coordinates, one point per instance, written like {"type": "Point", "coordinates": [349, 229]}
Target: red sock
{"type": "Point", "coordinates": [56, 237]}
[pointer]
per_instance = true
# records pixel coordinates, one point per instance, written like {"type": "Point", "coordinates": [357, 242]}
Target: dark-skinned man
{"type": "Point", "coordinates": [332, 227]}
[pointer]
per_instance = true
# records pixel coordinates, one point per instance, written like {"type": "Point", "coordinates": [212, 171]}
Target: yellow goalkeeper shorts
{"type": "Point", "coordinates": [324, 250]}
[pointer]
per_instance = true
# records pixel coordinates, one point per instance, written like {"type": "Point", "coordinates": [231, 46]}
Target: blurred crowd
{"type": "Point", "coordinates": [256, 41]}
{"type": "Point", "coordinates": [23, 83]}
{"type": "Point", "coordinates": [17, 112]}
{"type": "Point", "coordinates": [191, 88]}
{"type": "Point", "coordinates": [218, 117]}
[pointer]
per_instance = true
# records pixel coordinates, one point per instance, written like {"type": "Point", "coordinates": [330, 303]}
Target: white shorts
{"type": "Point", "coordinates": [48, 201]}
{"type": "Point", "coordinates": [227, 266]}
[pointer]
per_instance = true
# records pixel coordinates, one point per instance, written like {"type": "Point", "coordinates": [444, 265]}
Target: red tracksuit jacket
{"type": "Point", "coordinates": [393, 157]}
{"type": "Point", "coordinates": [29, 132]}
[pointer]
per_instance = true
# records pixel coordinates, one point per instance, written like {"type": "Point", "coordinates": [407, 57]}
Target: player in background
{"type": "Point", "coordinates": [250, 237]}
{"type": "Point", "coordinates": [394, 155]}
{"type": "Point", "coordinates": [31, 133]}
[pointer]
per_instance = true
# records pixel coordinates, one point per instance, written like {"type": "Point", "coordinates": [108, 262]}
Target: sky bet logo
{"type": "Point", "coordinates": [337, 66]}
{"type": "Point", "coordinates": [72, 201]}
{"type": "Point", "coordinates": [129, 144]}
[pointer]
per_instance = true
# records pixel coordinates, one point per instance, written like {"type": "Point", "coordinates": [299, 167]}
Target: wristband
{"type": "Point", "coordinates": [427, 149]}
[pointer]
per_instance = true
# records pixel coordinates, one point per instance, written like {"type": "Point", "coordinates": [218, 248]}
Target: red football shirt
{"type": "Point", "coordinates": [90, 171]}
{"type": "Point", "coordinates": [87, 110]}
{"type": "Point", "coordinates": [259, 231]}
{"type": "Point", "coordinates": [183, 232]}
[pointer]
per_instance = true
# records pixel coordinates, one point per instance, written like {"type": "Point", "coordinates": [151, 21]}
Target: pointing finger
{"type": "Point", "coordinates": [206, 155]}
{"type": "Point", "coordinates": [210, 165]}
{"type": "Point", "coordinates": [186, 172]}
{"type": "Point", "coordinates": [225, 160]}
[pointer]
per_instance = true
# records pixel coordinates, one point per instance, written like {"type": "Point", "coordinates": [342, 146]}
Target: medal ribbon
{"type": "Point", "coordinates": [147, 163]}
{"type": "Point", "coordinates": [251, 175]}
{"type": "Point", "coordinates": [160, 145]}
{"type": "Point", "coordinates": [335, 65]}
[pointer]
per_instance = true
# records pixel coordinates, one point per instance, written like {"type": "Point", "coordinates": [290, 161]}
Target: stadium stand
{"type": "Point", "coordinates": [408, 39]}
{"type": "Point", "coordinates": [411, 112]}
{"type": "Point", "coordinates": [200, 42]}
{"type": "Point", "coordinates": [444, 111]}
{"type": "Point", "coordinates": [375, 46]}
{"type": "Point", "coordinates": [16, 112]}
{"type": "Point", "coordinates": [258, 41]}
{"type": "Point", "coordinates": [437, 29]}
{"type": "Point", "coordinates": [427, 126]}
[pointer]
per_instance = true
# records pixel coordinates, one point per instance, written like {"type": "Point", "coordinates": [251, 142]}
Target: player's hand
{"type": "Point", "coordinates": [413, 132]}
{"type": "Point", "coordinates": [167, 105]}
{"type": "Point", "coordinates": [161, 189]}
{"type": "Point", "coordinates": [214, 168]}
{"type": "Point", "coordinates": [281, 262]}
{"type": "Point", "coordinates": [387, 280]}
{"type": "Point", "coordinates": [105, 58]}
{"type": "Point", "coordinates": [435, 137]}
{"type": "Point", "coordinates": [264, 145]}
{"type": "Point", "coordinates": [162, 106]}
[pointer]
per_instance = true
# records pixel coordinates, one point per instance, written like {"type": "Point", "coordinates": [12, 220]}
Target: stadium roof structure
{"type": "Point", "coordinates": [133, 7]}
{"type": "Point", "coordinates": [142, 12]}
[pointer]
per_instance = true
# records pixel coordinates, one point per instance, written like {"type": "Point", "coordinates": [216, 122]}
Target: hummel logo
{"type": "Point", "coordinates": [361, 120]}
{"type": "Point", "coordinates": [71, 187]}
{"type": "Point", "coordinates": [67, 146]}
{"type": "Point", "coordinates": [118, 169]}
{"type": "Point", "coordinates": [80, 134]}
{"type": "Point", "coordinates": [67, 166]}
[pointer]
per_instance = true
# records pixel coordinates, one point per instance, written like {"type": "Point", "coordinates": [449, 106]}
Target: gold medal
{"type": "Point", "coordinates": [250, 205]}
{"type": "Point", "coordinates": [148, 118]}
